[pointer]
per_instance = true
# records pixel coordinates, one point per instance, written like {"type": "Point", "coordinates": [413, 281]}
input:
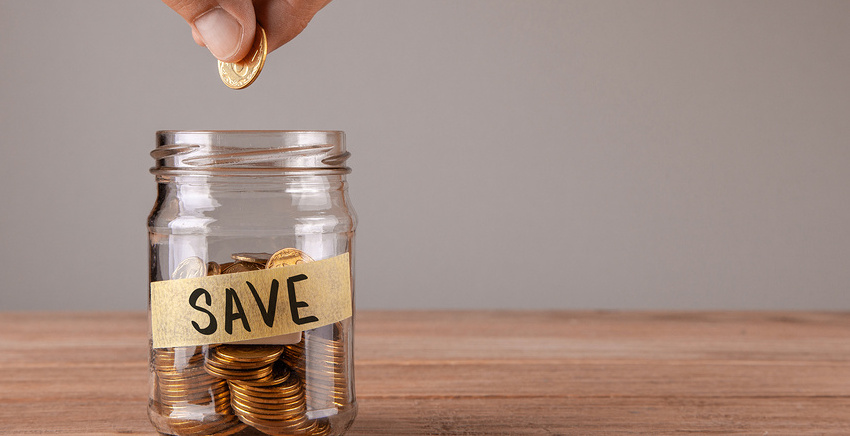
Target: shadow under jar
{"type": "Point", "coordinates": [251, 296]}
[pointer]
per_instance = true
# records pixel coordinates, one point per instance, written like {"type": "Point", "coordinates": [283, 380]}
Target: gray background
{"type": "Point", "coordinates": [506, 154]}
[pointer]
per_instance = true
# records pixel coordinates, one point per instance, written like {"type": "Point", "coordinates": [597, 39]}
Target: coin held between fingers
{"type": "Point", "coordinates": [238, 75]}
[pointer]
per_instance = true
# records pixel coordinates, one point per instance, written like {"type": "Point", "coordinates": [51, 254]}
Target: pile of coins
{"type": "Point", "coordinates": [275, 389]}
{"type": "Point", "coordinates": [195, 267]}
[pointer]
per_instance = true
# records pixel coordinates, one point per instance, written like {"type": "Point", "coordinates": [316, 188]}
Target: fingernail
{"type": "Point", "coordinates": [220, 31]}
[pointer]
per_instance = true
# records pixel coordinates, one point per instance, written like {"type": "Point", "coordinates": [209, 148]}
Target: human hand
{"type": "Point", "coordinates": [226, 27]}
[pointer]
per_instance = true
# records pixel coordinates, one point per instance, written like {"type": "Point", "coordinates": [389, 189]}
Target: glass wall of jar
{"type": "Point", "coordinates": [235, 202]}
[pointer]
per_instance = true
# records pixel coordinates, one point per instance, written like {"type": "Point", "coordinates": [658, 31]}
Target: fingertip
{"type": "Point", "coordinates": [197, 37]}
{"type": "Point", "coordinates": [249, 30]}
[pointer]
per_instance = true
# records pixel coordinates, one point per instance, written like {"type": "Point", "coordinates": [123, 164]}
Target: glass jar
{"type": "Point", "coordinates": [251, 296]}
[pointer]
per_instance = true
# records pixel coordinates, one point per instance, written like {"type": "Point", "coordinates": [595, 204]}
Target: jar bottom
{"type": "Point", "coordinates": [227, 424]}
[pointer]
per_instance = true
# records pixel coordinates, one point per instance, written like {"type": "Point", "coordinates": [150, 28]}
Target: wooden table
{"type": "Point", "coordinates": [482, 373]}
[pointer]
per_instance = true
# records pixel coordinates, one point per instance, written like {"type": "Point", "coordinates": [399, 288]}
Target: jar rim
{"type": "Point", "coordinates": [251, 152]}
{"type": "Point", "coordinates": [249, 131]}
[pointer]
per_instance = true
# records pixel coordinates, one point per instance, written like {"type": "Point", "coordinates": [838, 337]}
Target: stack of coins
{"type": "Point", "coordinates": [243, 362]}
{"type": "Point", "coordinates": [187, 392]}
{"type": "Point", "coordinates": [320, 363]}
{"type": "Point", "coordinates": [275, 407]}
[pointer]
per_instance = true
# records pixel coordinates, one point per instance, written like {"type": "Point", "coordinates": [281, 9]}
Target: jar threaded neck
{"type": "Point", "coordinates": [255, 152]}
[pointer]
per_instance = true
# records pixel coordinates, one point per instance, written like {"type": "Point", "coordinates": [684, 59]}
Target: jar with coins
{"type": "Point", "coordinates": [251, 288]}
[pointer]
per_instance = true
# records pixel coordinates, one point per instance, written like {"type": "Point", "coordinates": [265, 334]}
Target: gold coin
{"type": "Point", "coordinates": [261, 258]}
{"type": "Point", "coordinates": [262, 373]}
{"type": "Point", "coordinates": [273, 386]}
{"type": "Point", "coordinates": [287, 256]}
{"type": "Point", "coordinates": [278, 426]}
{"type": "Point", "coordinates": [249, 353]}
{"type": "Point", "coordinates": [173, 395]}
{"type": "Point", "coordinates": [190, 386]}
{"type": "Point", "coordinates": [269, 392]}
{"type": "Point", "coordinates": [267, 402]}
{"type": "Point", "coordinates": [241, 388]}
{"type": "Point", "coordinates": [180, 373]}
{"type": "Point", "coordinates": [194, 392]}
{"type": "Point", "coordinates": [168, 360]}
{"type": "Point", "coordinates": [242, 267]}
{"type": "Point", "coordinates": [292, 404]}
{"type": "Point", "coordinates": [238, 75]}
{"type": "Point", "coordinates": [190, 267]}
{"type": "Point", "coordinates": [278, 378]}
{"type": "Point", "coordinates": [236, 365]}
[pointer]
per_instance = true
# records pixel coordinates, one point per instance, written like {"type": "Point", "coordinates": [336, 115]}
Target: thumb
{"type": "Point", "coordinates": [225, 27]}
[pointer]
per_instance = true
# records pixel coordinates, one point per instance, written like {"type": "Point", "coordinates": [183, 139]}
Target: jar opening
{"type": "Point", "coordinates": [250, 152]}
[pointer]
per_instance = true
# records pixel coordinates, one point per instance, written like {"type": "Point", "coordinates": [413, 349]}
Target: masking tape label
{"type": "Point", "coordinates": [250, 305]}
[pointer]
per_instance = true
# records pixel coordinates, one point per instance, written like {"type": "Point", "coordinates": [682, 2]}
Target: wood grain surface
{"type": "Point", "coordinates": [481, 373]}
